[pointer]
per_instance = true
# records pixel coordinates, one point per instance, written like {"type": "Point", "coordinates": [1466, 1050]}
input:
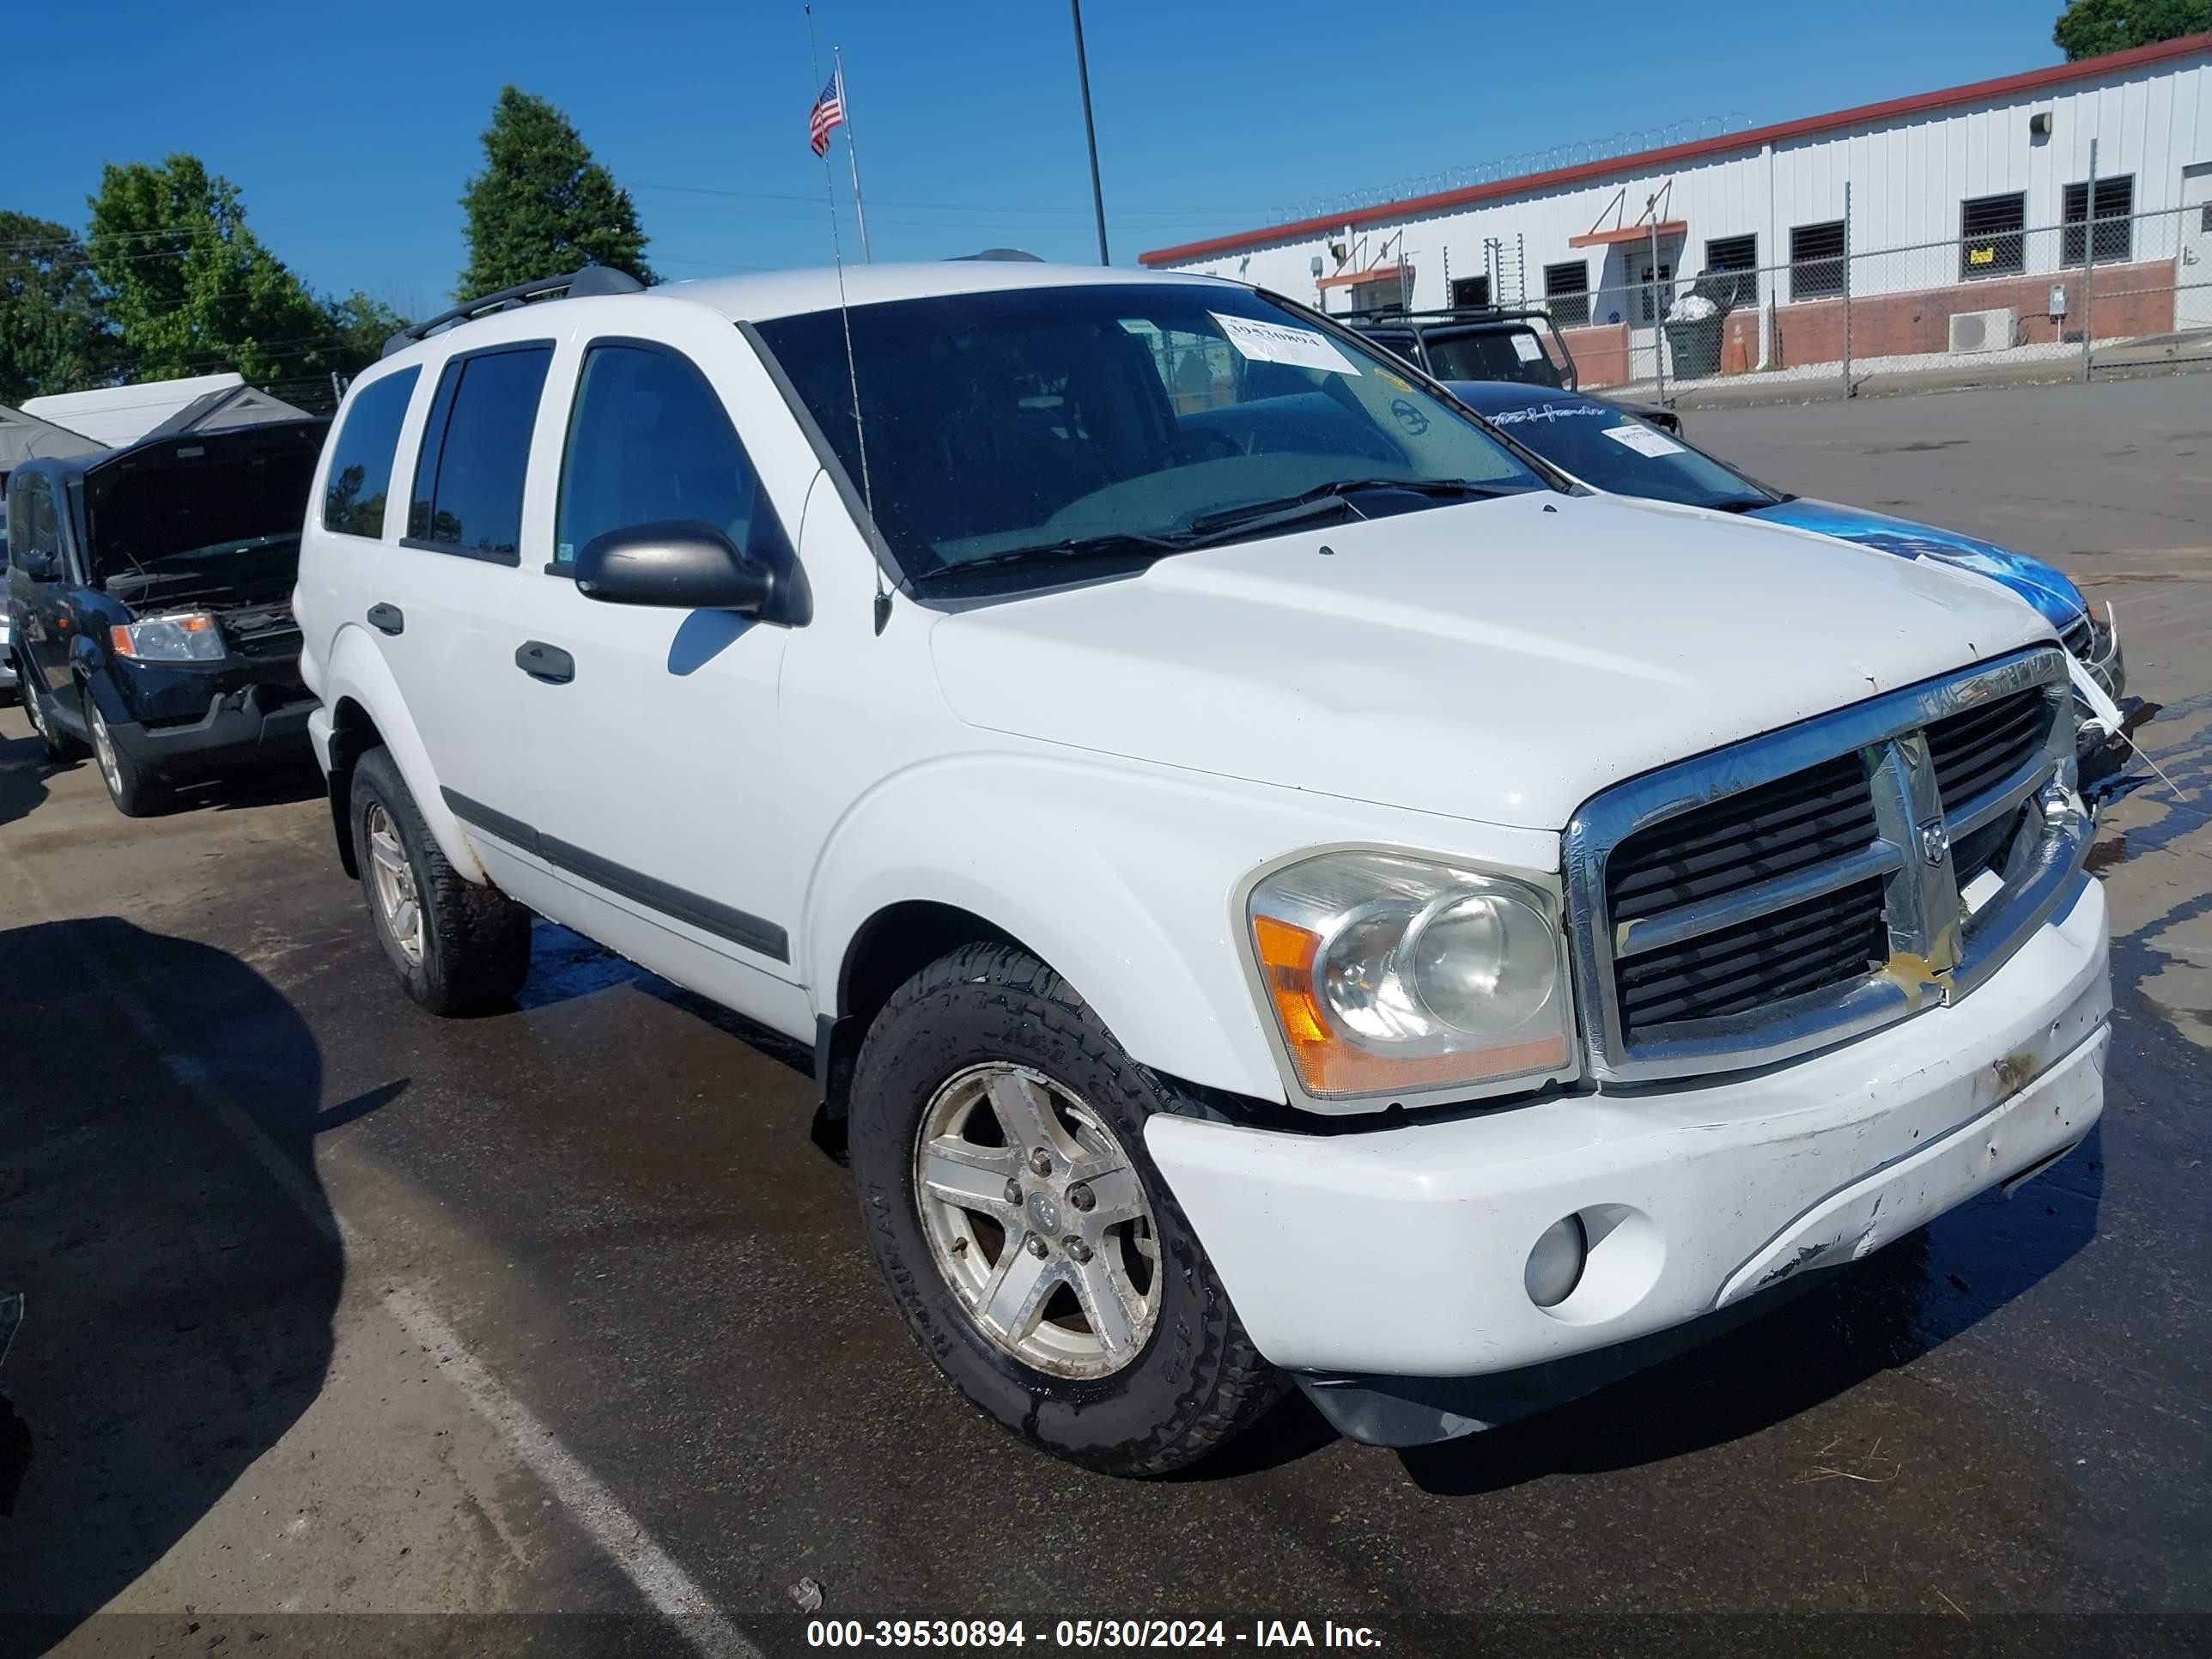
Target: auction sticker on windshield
{"type": "Point", "coordinates": [1273, 343]}
{"type": "Point", "coordinates": [1644, 440]}
{"type": "Point", "coordinates": [1526, 348]}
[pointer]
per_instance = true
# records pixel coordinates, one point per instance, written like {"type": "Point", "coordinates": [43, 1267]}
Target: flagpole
{"type": "Point", "coordinates": [852, 151]}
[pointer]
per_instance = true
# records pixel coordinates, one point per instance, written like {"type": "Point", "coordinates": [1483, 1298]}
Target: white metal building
{"type": "Point", "coordinates": [1970, 203]}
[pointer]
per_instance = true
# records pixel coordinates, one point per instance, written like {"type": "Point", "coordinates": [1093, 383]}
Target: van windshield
{"type": "Point", "coordinates": [1046, 424]}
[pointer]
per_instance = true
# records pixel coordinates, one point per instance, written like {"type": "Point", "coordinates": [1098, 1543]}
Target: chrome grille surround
{"type": "Point", "coordinates": [1937, 953]}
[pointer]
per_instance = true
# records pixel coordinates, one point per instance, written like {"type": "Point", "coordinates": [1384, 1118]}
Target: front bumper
{"type": "Point", "coordinates": [263, 721]}
{"type": "Point", "coordinates": [1402, 1252]}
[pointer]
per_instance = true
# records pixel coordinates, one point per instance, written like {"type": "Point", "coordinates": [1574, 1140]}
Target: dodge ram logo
{"type": "Point", "coordinates": [1935, 843]}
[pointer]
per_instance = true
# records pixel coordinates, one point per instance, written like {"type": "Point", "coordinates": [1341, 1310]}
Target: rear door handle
{"type": "Point", "coordinates": [545, 662]}
{"type": "Point", "coordinates": [387, 619]}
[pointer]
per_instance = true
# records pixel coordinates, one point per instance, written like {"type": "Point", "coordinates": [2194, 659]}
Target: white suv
{"type": "Point", "coordinates": [1279, 885]}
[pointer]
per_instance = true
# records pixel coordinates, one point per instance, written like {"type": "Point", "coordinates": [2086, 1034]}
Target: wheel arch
{"type": "Point", "coordinates": [1098, 883]}
{"type": "Point", "coordinates": [357, 676]}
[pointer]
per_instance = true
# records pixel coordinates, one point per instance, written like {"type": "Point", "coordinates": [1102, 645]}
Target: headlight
{"type": "Point", "coordinates": [189, 636]}
{"type": "Point", "coordinates": [1387, 974]}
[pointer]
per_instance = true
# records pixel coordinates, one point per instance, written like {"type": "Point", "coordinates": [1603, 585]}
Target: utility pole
{"type": "Point", "coordinates": [1090, 130]}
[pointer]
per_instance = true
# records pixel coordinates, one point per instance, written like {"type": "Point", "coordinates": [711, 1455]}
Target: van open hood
{"type": "Point", "coordinates": [1501, 660]}
{"type": "Point", "coordinates": [200, 514]}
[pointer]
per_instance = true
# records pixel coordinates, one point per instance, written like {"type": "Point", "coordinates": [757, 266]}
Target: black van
{"type": "Point", "coordinates": [150, 600]}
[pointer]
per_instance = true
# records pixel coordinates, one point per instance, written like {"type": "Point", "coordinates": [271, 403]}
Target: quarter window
{"type": "Point", "coordinates": [475, 454]}
{"type": "Point", "coordinates": [649, 441]}
{"type": "Point", "coordinates": [362, 457]}
{"type": "Point", "coordinates": [1566, 292]}
{"type": "Point", "coordinates": [1990, 231]}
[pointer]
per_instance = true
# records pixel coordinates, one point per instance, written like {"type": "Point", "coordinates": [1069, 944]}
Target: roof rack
{"type": "Point", "coordinates": [577, 285]}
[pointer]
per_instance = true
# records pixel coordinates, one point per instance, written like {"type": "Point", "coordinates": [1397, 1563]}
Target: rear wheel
{"type": "Point", "coordinates": [139, 791]}
{"type": "Point", "coordinates": [458, 947]}
{"type": "Point", "coordinates": [997, 1139]}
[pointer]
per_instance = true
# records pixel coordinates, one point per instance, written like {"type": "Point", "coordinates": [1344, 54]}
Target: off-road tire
{"type": "Point", "coordinates": [476, 940]}
{"type": "Point", "coordinates": [1199, 1381]}
{"type": "Point", "coordinates": [139, 791]}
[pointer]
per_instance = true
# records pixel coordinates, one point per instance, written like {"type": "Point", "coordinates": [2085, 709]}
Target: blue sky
{"type": "Point", "coordinates": [351, 128]}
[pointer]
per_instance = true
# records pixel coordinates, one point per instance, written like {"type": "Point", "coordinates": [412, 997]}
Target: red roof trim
{"type": "Point", "coordinates": [2088, 69]}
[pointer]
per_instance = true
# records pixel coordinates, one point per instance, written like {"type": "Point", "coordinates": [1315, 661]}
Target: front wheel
{"type": "Point", "coordinates": [997, 1138]}
{"type": "Point", "coordinates": [58, 745]}
{"type": "Point", "coordinates": [137, 790]}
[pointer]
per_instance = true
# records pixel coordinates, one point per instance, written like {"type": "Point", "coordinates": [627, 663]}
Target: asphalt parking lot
{"type": "Point", "coordinates": [337, 1309]}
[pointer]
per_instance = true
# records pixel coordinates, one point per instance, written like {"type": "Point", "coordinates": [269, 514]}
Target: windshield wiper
{"type": "Point", "coordinates": [1119, 543]}
{"type": "Point", "coordinates": [1741, 504]}
{"type": "Point", "coordinates": [1328, 501]}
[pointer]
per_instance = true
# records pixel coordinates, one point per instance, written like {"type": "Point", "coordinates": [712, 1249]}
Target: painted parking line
{"type": "Point", "coordinates": [656, 1574]}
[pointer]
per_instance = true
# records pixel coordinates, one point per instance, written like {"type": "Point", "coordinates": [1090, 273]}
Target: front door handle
{"type": "Point", "coordinates": [545, 662]}
{"type": "Point", "coordinates": [387, 619]}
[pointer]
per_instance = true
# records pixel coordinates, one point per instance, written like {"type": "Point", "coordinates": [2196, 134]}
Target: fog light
{"type": "Point", "coordinates": [1555, 1265]}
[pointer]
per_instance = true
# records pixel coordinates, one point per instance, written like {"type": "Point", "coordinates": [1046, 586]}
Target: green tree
{"type": "Point", "coordinates": [2090, 28]}
{"type": "Point", "coordinates": [359, 328]}
{"type": "Point", "coordinates": [191, 288]}
{"type": "Point", "coordinates": [54, 334]}
{"type": "Point", "coordinates": [542, 205]}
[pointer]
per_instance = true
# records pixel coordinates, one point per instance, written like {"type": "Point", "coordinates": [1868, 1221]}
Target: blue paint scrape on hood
{"type": "Point", "coordinates": [2043, 586]}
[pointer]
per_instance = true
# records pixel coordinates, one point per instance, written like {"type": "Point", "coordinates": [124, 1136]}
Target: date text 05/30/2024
{"type": "Point", "coordinates": [1086, 1633]}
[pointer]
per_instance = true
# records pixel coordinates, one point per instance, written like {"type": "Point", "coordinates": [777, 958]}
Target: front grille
{"type": "Point", "coordinates": [1824, 941]}
{"type": "Point", "coordinates": [1769, 830]}
{"type": "Point", "coordinates": [2080, 636]}
{"type": "Point", "coordinates": [1981, 747]}
{"type": "Point", "coordinates": [1805, 885]}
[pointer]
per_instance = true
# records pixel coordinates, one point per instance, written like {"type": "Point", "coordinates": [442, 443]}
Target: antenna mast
{"type": "Point", "coordinates": [845, 317]}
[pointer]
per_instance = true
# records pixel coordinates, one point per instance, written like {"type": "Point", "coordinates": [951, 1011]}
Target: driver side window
{"type": "Point", "coordinates": [648, 442]}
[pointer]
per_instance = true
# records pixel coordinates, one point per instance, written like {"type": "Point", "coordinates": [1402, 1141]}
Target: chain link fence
{"type": "Point", "coordinates": [2121, 291]}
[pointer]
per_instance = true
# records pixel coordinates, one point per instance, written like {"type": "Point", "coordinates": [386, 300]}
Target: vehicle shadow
{"type": "Point", "coordinates": [177, 1310]}
{"type": "Point", "coordinates": [1844, 1328]}
{"type": "Point", "coordinates": [23, 773]}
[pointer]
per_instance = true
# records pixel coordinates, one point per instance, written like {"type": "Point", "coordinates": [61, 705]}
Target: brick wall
{"type": "Point", "coordinates": [1600, 353]}
{"type": "Point", "coordinates": [2131, 300]}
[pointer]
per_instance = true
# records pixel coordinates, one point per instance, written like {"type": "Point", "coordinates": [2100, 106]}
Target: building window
{"type": "Point", "coordinates": [1816, 260]}
{"type": "Point", "coordinates": [1470, 291]}
{"type": "Point", "coordinates": [1566, 292]}
{"type": "Point", "coordinates": [1732, 253]}
{"type": "Point", "coordinates": [1990, 239]}
{"type": "Point", "coordinates": [2115, 231]}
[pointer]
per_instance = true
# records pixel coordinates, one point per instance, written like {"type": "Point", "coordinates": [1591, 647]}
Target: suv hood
{"type": "Point", "coordinates": [1500, 660]}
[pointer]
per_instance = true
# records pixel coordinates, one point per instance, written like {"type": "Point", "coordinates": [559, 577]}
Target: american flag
{"type": "Point", "coordinates": [828, 115]}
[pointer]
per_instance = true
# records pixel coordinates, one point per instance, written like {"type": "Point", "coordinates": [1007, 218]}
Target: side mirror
{"type": "Point", "coordinates": [677, 562]}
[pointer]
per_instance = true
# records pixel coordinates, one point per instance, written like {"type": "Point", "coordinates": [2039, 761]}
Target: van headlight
{"type": "Point", "coordinates": [1387, 974]}
{"type": "Point", "coordinates": [188, 636]}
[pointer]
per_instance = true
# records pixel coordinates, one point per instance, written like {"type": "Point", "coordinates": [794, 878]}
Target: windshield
{"type": "Point", "coordinates": [1492, 353]}
{"type": "Point", "coordinates": [203, 497]}
{"type": "Point", "coordinates": [1143, 417]}
{"type": "Point", "coordinates": [1608, 450]}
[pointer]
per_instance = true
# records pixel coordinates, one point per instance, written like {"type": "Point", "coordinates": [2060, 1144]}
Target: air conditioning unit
{"type": "Point", "coordinates": [1982, 331]}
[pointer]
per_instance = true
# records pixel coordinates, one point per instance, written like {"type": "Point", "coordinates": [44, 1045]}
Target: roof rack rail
{"type": "Point", "coordinates": [575, 285]}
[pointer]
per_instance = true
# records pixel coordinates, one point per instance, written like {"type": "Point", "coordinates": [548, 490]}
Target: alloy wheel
{"type": "Point", "coordinates": [103, 746]}
{"type": "Point", "coordinates": [1039, 1222]}
{"type": "Point", "coordinates": [394, 878]}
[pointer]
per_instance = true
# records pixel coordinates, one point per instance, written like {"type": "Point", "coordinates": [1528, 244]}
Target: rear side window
{"type": "Point", "coordinates": [476, 453]}
{"type": "Point", "coordinates": [361, 460]}
{"type": "Point", "coordinates": [648, 440]}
